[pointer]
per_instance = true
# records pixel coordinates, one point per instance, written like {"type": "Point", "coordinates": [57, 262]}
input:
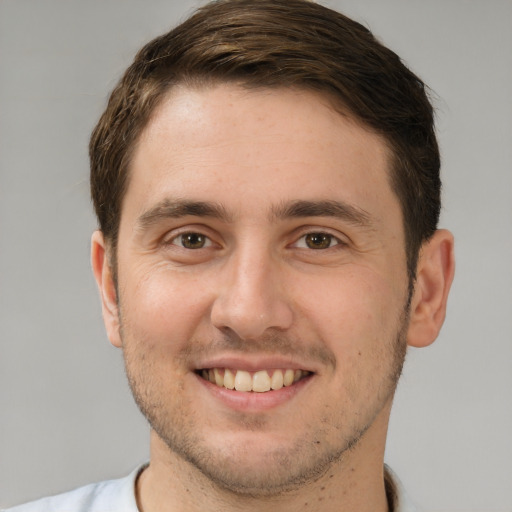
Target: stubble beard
{"type": "Point", "coordinates": [287, 469]}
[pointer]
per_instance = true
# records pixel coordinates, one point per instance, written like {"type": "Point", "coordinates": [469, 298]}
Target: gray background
{"type": "Point", "coordinates": [67, 417]}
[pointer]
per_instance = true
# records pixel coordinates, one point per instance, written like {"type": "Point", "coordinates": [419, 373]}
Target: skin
{"type": "Point", "coordinates": [255, 293]}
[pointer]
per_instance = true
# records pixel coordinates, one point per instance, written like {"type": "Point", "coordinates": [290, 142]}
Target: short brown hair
{"type": "Point", "coordinates": [277, 43]}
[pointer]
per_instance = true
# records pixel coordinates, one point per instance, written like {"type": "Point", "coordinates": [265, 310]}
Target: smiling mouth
{"type": "Point", "coordinates": [261, 381]}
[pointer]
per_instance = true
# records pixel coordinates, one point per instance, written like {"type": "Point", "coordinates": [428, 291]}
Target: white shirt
{"type": "Point", "coordinates": [119, 496]}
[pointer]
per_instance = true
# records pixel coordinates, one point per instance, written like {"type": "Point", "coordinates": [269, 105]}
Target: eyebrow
{"type": "Point", "coordinates": [326, 208]}
{"type": "Point", "coordinates": [175, 209]}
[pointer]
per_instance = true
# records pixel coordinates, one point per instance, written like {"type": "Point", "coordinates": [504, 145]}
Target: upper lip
{"type": "Point", "coordinates": [254, 363]}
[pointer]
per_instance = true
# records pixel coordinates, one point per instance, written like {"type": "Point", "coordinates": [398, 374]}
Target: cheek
{"type": "Point", "coordinates": [353, 311]}
{"type": "Point", "coordinates": [164, 308]}
{"type": "Point", "coordinates": [358, 317]}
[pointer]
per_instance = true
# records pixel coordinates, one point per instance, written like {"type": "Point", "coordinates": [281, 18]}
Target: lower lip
{"type": "Point", "coordinates": [252, 401]}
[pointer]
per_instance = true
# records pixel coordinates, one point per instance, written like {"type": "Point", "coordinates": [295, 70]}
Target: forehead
{"type": "Point", "coordinates": [247, 147]}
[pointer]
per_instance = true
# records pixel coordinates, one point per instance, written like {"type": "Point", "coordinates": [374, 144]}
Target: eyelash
{"type": "Point", "coordinates": [332, 241]}
{"type": "Point", "coordinates": [180, 238]}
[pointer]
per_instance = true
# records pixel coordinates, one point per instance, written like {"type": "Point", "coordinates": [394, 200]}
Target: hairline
{"type": "Point", "coordinates": [198, 82]}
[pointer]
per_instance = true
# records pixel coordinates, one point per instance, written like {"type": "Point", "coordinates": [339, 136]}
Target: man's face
{"type": "Point", "coordinates": [260, 240]}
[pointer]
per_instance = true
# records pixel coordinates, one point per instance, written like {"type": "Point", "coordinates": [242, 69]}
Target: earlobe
{"type": "Point", "coordinates": [436, 267]}
{"type": "Point", "coordinates": [103, 274]}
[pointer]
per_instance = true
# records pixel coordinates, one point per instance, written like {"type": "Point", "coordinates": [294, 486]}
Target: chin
{"type": "Point", "coordinates": [256, 464]}
{"type": "Point", "coordinates": [262, 472]}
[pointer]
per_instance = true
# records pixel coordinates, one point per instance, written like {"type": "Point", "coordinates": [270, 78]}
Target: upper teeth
{"type": "Point", "coordinates": [259, 381]}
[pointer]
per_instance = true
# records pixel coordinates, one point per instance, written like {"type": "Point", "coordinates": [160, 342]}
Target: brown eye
{"type": "Point", "coordinates": [319, 240]}
{"type": "Point", "coordinates": [192, 240]}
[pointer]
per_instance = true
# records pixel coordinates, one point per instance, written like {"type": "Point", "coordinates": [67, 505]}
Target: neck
{"type": "Point", "coordinates": [356, 482]}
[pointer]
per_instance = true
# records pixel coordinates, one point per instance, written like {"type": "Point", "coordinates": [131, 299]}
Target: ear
{"type": "Point", "coordinates": [434, 276]}
{"type": "Point", "coordinates": [104, 278]}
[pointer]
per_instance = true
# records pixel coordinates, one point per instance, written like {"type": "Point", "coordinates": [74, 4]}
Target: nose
{"type": "Point", "coordinates": [251, 298]}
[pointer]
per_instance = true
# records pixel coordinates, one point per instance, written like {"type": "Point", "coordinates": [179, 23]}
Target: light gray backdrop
{"type": "Point", "coordinates": [66, 415]}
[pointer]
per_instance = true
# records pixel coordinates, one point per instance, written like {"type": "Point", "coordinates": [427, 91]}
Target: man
{"type": "Point", "coordinates": [266, 180]}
